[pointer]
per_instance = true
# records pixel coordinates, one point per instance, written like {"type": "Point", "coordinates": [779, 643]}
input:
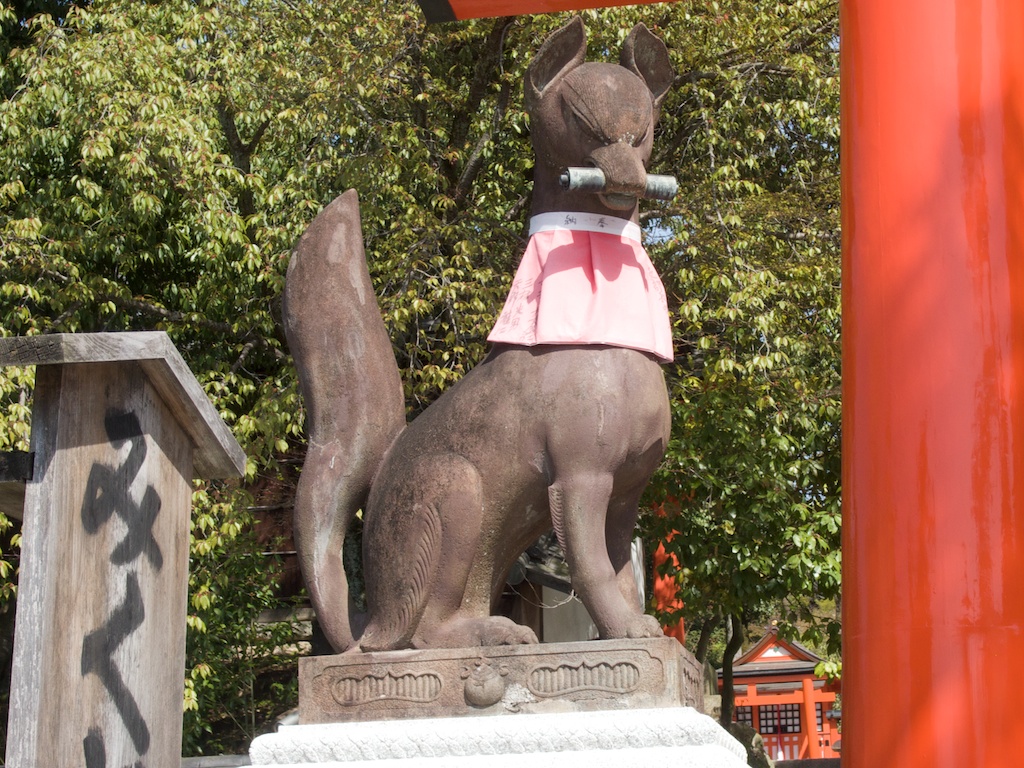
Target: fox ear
{"type": "Point", "coordinates": [562, 52]}
{"type": "Point", "coordinates": [646, 55]}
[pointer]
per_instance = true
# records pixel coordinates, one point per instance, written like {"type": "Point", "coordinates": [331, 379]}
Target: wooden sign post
{"type": "Point", "coordinates": [457, 10]}
{"type": "Point", "coordinates": [119, 428]}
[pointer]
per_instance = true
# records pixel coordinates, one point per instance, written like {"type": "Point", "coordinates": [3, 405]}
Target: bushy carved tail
{"type": "Point", "coordinates": [353, 396]}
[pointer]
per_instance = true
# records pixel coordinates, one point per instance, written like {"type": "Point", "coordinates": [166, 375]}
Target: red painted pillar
{"type": "Point", "coordinates": [933, 335]}
{"type": "Point", "coordinates": [809, 714]}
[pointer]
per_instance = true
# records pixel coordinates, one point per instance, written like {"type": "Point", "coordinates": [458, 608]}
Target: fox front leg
{"type": "Point", "coordinates": [580, 509]}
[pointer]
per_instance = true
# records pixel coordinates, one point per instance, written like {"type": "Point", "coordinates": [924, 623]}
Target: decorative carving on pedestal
{"type": "Point", "coordinates": [564, 679]}
{"type": "Point", "coordinates": [353, 690]}
{"type": "Point", "coordinates": [485, 682]}
{"type": "Point", "coordinates": [498, 680]}
{"type": "Point", "coordinates": [693, 684]}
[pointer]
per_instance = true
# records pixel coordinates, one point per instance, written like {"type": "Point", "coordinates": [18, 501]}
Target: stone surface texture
{"type": "Point", "coordinates": [499, 680]}
{"type": "Point", "coordinates": [676, 736]}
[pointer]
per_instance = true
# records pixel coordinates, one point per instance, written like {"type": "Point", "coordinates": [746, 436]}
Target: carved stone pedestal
{"type": "Point", "coordinates": [499, 680]}
{"type": "Point", "coordinates": [588, 704]}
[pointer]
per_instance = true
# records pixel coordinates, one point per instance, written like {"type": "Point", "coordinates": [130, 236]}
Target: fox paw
{"type": "Point", "coordinates": [640, 625]}
{"type": "Point", "coordinates": [469, 633]}
{"type": "Point", "coordinates": [497, 630]}
{"type": "Point", "coordinates": [644, 626]}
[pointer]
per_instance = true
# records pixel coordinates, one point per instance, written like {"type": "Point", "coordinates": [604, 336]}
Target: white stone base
{"type": "Point", "coordinates": [676, 736]}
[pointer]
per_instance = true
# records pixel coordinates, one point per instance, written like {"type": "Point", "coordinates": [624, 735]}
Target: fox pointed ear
{"type": "Point", "coordinates": [562, 52]}
{"type": "Point", "coordinates": [644, 54]}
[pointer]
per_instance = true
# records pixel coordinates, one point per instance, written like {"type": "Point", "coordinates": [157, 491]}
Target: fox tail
{"type": "Point", "coordinates": [353, 395]}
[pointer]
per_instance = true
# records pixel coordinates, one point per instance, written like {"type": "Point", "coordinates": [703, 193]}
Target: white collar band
{"type": "Point", "coordinates": [584, 222]}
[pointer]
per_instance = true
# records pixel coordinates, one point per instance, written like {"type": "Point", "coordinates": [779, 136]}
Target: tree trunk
{"type": "Point", "coordinates": [732, 647]}
{"type": "Point", "coordinates": [704, 639]}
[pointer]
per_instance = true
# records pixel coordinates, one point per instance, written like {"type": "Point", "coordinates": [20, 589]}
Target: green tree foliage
{"type": "Point", "coordinates": [160, 159]}
{"type": "Point", "coordinates": [241, 673]}
{"type": "Point", "coordinates": [752, 253]}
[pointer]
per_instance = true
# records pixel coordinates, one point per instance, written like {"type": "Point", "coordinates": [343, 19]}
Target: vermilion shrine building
{"type": "Point", "coordinates": [778, 695]}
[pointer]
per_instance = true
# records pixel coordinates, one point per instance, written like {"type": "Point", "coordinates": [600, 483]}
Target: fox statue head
{"type": "Point", "coordinates": [594, 114]}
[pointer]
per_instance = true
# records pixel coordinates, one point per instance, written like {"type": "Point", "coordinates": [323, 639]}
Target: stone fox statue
{"type": "Point", "coordinates": [560, 426]}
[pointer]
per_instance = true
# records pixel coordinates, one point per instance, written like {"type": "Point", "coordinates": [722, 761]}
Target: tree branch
{"type": "Point", "coordinates": [476, 159]}
{"type": "Point", "coordinates": [483, 74]}
{"type": "Point", "coordinates": [226, 329]}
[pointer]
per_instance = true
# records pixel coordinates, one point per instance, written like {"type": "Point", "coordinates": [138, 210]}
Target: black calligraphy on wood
{"type": "Point", "coordinates": [98, 658]}
{"type": "Point", "coordinates": [96, 751]}
{"type": "Point", "coordinates": [107, 494]}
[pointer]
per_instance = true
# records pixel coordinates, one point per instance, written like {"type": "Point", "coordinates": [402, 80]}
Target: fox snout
{"type": "Point", "coordinates": [624, 172]}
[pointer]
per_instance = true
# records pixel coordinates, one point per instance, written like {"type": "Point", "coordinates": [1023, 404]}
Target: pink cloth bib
{"type": "Point", "coordinates": [586, 279]}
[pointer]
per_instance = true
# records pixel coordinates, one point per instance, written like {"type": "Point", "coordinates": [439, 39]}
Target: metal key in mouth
{"type": "Point", "coordinates": [593, 180]}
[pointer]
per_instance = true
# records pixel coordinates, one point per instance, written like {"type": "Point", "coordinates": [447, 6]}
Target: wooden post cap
{"type": "Point", "coordinates": [217, 453]}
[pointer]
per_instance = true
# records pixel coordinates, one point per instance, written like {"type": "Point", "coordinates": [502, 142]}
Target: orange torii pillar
{"type": "Point", "coordinates": [933, 382]}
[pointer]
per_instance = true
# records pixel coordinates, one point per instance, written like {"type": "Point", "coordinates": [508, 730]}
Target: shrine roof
{"type": "Point", "coordinates": [774, 655]}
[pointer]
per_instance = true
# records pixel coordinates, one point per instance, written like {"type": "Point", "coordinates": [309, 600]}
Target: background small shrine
{"type": "Point", "coordinates": [778, 695]}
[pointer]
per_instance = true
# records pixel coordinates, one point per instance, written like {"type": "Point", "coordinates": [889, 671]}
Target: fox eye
{"type": "Point", "coordinates": [641, 138]}
{"type": "Point", "coordinates": [583, 121]}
